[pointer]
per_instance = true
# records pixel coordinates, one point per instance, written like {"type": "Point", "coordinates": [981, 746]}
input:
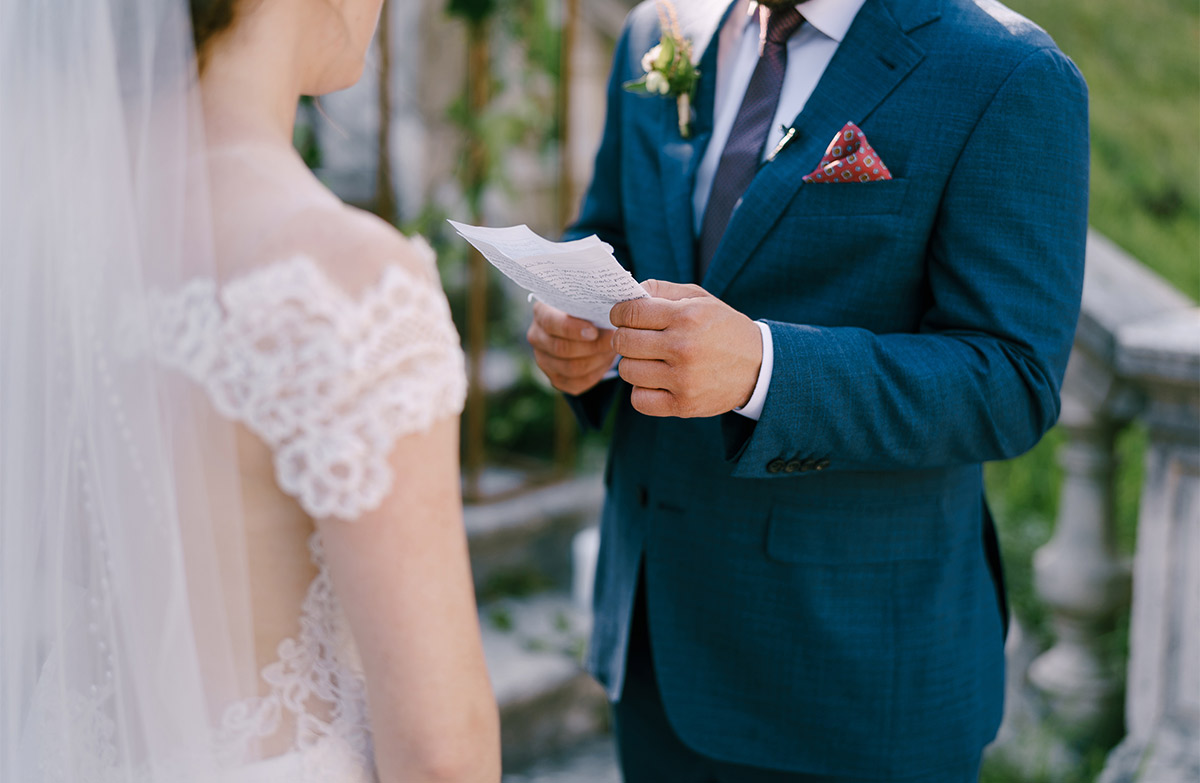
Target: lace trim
{"type": "Point", "coordinates": [319, 668]}
{"type": "Point", "coordinates": [328, 383]}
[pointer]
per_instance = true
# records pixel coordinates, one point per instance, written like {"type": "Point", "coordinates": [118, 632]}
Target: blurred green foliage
{"type": "Point", "coordinates": [1143, 72]}
{"type": "Point", "coordinates": [472, 11]}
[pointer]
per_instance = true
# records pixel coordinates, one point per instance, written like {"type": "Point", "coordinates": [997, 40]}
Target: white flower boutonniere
{"type": "Point", "coordinates": [669, 69]}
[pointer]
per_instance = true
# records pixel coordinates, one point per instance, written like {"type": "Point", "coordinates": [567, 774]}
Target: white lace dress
{"type": "Point", "coordinates": [329, 383]}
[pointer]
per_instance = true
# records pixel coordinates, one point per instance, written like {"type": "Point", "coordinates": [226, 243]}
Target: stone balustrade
{"type": "Point", "coordinates": [1136, 358]}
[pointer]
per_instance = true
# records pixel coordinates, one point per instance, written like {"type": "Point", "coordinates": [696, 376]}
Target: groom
{"type": "Point", "coordinates": [798, 576]}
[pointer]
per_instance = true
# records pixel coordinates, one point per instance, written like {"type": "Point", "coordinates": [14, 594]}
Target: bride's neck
{"type": "Point", "coordinates": [250, 88]}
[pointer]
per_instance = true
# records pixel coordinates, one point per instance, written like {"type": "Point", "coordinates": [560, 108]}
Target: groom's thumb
{"type": "Point", "coordinates": [662, 289]}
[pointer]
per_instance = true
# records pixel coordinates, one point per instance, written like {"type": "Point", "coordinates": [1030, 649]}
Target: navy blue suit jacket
{"type": "Point", "coordinates": [819, 597]}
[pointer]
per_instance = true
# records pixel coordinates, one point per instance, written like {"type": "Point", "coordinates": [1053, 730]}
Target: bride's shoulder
{"type": "Point", "coordinates": [351, 248]}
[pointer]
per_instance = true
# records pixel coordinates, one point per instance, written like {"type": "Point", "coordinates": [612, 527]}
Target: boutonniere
{"type": "Point", "coordinates": [669, 69]}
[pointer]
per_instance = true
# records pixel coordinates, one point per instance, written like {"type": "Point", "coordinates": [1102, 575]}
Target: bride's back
{"type": "Point", "coordinates": [267, 211]}
{"type": "Point", "coordinates": [270, 212]}
{"type": "Point", "coordinates": [337, 360]}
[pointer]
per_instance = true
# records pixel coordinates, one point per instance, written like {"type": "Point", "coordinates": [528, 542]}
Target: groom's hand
{"type": "Point", "coordinates": [686, 353]}
{"type": "Point", "coordinates": [573, 353]}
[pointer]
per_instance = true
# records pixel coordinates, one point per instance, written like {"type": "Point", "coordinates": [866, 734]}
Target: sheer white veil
{"type": "Point", "coordinates": [125, 623]}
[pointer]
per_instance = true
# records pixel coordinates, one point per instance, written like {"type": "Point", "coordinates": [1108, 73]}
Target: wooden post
{"type": "Point", "coordinates": [478, 96]}
{"type": "Point", "coordinates": [565, 426]}
{"type": "Point", "coordinates": [385, 192]}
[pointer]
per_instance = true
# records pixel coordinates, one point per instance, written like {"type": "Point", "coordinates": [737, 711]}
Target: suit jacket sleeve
{"type": "Point", "coordinates": [980, 379]}
{"type": "Point", "coordinates": [602, 215]}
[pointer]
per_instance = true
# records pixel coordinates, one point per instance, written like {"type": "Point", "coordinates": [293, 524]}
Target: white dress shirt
{"type": "Point", "coordinates": [809, 51]}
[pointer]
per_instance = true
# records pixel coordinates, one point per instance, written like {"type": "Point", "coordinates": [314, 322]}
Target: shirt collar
{"type": "Point", "coordinates": [831, 18]}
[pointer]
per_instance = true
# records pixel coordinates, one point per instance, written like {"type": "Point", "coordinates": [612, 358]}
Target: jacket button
{"type": "Point", "coordinates": [643, 497]}
{"type": "Point", "coordinates": [776, 465]}
{"type": "Point", "coordinates": [821, 464]}
{"type": "Point", "coordinates": [808, 464]}
{"type": "Point", "coordinates": [793, 466]}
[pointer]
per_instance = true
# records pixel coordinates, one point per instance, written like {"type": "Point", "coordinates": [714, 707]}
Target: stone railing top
{"type": "Point", "coordinates": [1119, 292]}
{"type": "Point", "coordinates": [1163, 349]}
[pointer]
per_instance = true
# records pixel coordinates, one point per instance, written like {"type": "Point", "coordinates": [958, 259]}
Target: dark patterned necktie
{"type": "Point", "coordinates": [743, 151]}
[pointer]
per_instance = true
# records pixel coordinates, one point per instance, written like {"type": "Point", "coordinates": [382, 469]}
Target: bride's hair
{"type": "Point", "coordinates": [209, 19]}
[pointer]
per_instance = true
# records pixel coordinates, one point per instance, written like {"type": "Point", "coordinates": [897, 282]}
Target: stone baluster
{"type": "Point", "coordinates": [1078, 574]}
{"type": "Point", "coordinates": [1162, 708]}
{"type": "Point", "coordinates": [1073, 690]}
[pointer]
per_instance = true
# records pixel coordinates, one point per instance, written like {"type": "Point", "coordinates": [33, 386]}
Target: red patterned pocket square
{"type": "Point", "coordinates": [849, 158]}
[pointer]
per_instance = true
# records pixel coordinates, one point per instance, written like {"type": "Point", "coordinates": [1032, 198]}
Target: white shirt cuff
{"type": "Point", "coordinates": [754, 408]}
{"type": "Point", "coordinates": [612, 371]}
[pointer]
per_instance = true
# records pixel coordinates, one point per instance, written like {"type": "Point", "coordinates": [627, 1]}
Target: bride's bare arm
{"type": "Point", "coordinates": [403, 576]}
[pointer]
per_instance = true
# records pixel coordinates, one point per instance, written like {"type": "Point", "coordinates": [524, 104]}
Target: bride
{"type": "Point", "coordinates": [231, 541]}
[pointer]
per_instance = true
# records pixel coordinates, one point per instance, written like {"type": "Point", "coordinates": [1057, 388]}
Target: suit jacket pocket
{"type": "Point", "coordinates": [818, 200]}
{"type": "Point", "coordinates": [858, 534]}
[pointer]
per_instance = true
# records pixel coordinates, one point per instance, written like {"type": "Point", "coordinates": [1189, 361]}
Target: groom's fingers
{"type": "Point", "coordinates": [664, 289]}
{"type": "Point", "coordinates": [563, 347]}
{"type": "Point", "coordinates": [644, 344]}
{"type": "Point", "coordinates": [647, 374]}
{"type": "Point", "coordinates": [558, 324]}
{"type": "Point", "coordinates": [654, 402]}
{"type": "Point", "coordinates": [555, 366]}
{"type": "Point", "coordinates": [573, 353]}
{"type": "Point", "coordinates": [643, 313]}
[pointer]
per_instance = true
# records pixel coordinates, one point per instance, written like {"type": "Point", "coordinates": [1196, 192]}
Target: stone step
{"type": "Point", "coordinates": [522, 544]}
{"type": "Point", "coordinates": [595, 761]}
{"type": "Point", "coordinates": [548, 703]}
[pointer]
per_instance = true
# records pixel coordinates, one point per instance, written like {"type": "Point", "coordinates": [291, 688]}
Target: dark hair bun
{"type": "Point", "coordinates": [209, 18]}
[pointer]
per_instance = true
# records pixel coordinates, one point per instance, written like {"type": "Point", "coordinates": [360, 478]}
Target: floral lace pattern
{"type": "Point", "coordinates": [328, 383]}
{"type": "Point", "coordinates": [318, 683]}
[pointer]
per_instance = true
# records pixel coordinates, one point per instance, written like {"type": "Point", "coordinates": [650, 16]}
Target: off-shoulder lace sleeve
{"type": "Point", "coordinates": [329, 382]}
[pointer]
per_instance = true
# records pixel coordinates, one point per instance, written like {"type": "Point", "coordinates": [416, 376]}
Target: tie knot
{"type": "Point", "coordinates": [781, 23]}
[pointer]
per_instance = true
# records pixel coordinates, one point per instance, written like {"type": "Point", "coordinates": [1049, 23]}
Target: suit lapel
{"type": "Point", "coordinates": [679, 158]}
{"type": "Point", "coordinates": [874, 57]}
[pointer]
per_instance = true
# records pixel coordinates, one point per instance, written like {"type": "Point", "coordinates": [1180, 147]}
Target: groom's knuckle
{"type": "Point", "coordinates": [684, 349]}
{"type": "Point", "coordinates": [619, 340]}
{"type": "Point", "coordinates": [560, 346]}
{"type": "Point", "coordinates": [633, 314]}
{"type": "Point", "coordinates": [643, 314]}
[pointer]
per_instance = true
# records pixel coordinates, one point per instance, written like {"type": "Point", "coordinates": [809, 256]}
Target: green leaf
{"type": "Point", "coordinates": [637, 85]}
{"type": "Point", "coordinates": [666, 55]}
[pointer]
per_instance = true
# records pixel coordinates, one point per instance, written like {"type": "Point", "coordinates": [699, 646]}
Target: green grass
{"type": "Point", "coordinates": [1142, 66]}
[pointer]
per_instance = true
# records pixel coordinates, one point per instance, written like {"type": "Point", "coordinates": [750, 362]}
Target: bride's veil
{"type": "Point", "coordinates": [124, 602]}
